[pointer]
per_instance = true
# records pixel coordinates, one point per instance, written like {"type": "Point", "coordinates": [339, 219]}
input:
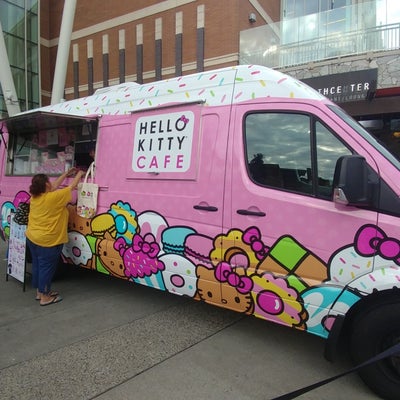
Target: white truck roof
{"type": "Point", "coordinates": [218, 87]}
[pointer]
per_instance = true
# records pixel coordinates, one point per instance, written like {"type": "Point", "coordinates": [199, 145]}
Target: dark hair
{"type": "Point", "coordinates": [38, 185]}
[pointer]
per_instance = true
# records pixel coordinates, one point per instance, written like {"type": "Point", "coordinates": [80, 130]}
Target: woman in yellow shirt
{"type": "Point", "coordinates": [47, 230]}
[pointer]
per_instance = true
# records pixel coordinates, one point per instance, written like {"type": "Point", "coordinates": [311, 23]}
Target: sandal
{"type": "Point", "coordinates": [52, 293]}
{"type": "Point", "coordinates": [55, 299]}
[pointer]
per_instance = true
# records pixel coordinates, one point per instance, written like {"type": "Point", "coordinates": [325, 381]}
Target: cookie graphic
{"type": "Point", "coordinates": [103, 225]}
{"type": "Point", "coordinates": [78, 250]}
{"type": "Point", "coordinates": [173, 239]}
{"type": "Point", "coordinates": [198, 249]}
{"type": "Point", "coordinates": [179, 275]}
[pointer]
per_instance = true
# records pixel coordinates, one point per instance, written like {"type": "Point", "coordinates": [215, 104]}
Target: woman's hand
{"type": "Point", "coordinates": [71, 172]}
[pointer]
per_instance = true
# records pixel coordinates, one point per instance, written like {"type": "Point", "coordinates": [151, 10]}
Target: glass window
{"type": "Point", "coordinates": [32, 57]}
{"type": "Point", "coordinates": [278, 150]}
{"type": "Point", "coordinates": [329, 149]}
{"type": "Point", "coordinates": [311, 7]}
{"type": "Point", "coordinates": [51, 151]}
{"type": "Point", "coordinates": [284, 152]}
{"type": "Point", "coordinates": [32, 27]}
{"type": "Point", "coordinates": [366, 135]}
{"type": "Point", "coordinates": [12, 18]}
{"type": "Point", "coordinates": [20, 25]}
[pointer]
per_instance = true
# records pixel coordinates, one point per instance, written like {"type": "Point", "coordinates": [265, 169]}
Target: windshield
{"type": "Point", "coordinates": [366, 135]}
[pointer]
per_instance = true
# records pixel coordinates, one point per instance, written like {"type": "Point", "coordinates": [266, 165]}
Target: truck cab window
{"type": "Point", "coordinates": [329, 149]}
{"type": "Point", "coordinates": [279, 152]}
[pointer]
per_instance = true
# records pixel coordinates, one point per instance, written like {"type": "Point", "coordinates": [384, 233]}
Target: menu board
{"type": "Point", "coordinates": [16, 251]}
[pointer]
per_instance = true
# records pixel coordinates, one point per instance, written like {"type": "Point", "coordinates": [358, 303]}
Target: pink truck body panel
{"type": "Point", "coordinates": [179, 209]}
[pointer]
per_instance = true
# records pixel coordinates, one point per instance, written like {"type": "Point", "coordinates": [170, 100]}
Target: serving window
{"type": "Point", "coordinates": [49, 144]}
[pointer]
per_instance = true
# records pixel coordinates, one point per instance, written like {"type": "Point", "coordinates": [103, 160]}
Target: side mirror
{"type": "Point", "coordinates": [351, 181]}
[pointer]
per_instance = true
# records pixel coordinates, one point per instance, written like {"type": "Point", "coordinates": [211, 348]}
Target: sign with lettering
{"type": "Point", "coordinates": [345, 87]}
{"type": "Point", "coordinates": [163, 142]}
{"type": "Point", "coordinates": [16, 251]}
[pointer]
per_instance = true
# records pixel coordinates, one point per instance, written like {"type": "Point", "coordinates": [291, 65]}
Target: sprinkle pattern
{"type": "Point", "coordinates": [218, 87]}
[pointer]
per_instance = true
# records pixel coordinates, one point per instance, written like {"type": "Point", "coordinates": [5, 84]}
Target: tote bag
{"type": "Point", "coordinates": [87, 195]}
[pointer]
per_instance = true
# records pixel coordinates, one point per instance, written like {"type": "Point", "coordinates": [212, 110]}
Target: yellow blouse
{"type": "Point", "coordinates": [48, 218]}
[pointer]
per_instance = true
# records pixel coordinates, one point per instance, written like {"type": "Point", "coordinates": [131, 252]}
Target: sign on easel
{"type": "Point", "coordinates": [16, 264]}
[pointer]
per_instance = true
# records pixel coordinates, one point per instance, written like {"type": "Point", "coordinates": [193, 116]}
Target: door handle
{"type": "Point", "coordinates": [253, 213]}
{"type": "Point", "coordinates": [206, 208]}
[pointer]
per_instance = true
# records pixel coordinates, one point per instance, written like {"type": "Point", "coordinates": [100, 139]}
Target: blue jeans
{"type": "Point", "coordinates": [44, 264]}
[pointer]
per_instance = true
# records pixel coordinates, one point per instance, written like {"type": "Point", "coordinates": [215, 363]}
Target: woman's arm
{"type": "Point", "coordinates": [76, 180]}
{"type": "Point", "coordinates": [60, 179]}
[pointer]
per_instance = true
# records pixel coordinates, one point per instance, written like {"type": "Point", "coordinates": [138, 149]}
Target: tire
{"type": "Point", "coordinates": [374, 331]}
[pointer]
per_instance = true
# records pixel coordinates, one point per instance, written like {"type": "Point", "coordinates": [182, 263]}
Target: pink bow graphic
{"type": "Point", "coordinates": [225, 273]}
{"type": "Point", "coordinates": [252, 237]}
{"type": "Point", "coordinates": [371, 240]}
{"type": "Point", "coordinates": [184, 119]}
{"type": "Point", "coordinates": [120, 245]}
{"type": "Point", "coordinates": [149, 248]}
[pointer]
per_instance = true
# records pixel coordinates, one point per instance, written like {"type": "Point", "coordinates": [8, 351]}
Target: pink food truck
{"type": "Point", "coordinates": [240, 187]}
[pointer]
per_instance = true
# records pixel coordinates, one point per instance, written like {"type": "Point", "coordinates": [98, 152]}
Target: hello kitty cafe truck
{"type": "Point", "coordinates": [241, 187]}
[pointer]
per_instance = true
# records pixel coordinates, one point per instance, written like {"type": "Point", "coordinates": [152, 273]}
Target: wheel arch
{"type": "Point", "coordinates": [339, 336]}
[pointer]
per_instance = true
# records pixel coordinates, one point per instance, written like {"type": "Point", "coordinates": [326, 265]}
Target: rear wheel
{"type": "Point", "coordinates": [373, 332]}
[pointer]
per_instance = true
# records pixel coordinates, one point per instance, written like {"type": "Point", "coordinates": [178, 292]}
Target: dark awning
{"type": "Point", "coordinates": [38, 121]}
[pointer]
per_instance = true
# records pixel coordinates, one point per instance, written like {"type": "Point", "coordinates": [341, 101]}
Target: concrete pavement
{"type": "Point", "coordinates": [109, 339]}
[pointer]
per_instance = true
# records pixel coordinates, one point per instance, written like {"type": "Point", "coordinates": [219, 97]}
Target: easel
{"type": "Point", "coordinates": [16, 253]}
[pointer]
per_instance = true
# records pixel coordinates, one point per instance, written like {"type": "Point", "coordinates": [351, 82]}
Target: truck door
{"type": "Point", "coordinates": [279, 203]}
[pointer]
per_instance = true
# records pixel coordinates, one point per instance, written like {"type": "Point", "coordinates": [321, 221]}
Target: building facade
{"type": "Point", "coordinates": [141, 41]}
{"type": "Point", "coordinates": [114, 42]}
{"type": "Point", "coordinates": [347, 49]}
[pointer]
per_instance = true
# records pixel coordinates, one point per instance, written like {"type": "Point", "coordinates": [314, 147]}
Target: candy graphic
{"type": "Point", "coordinates": [140, 259]}
{"type": "Point", "coordinates": [288, 257]}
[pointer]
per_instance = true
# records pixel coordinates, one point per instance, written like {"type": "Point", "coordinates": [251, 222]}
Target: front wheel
{"type": "Point", "coordinates": [373, 332]}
